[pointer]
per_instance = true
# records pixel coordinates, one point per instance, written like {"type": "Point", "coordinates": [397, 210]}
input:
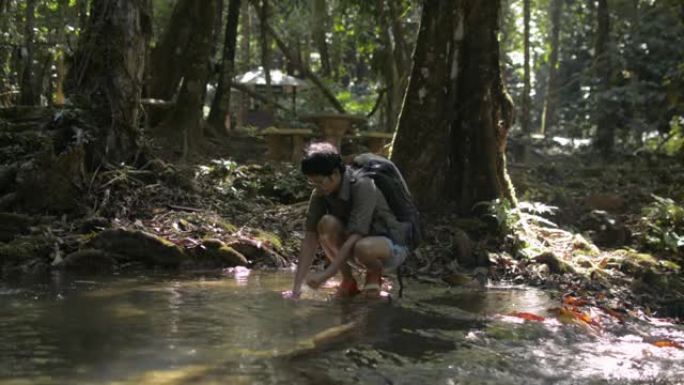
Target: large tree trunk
{"type": "Point", "coordinates": [451, 136]}
{"type": "Point", "coordinates": [605, 128]}
{"type": "Point", "coordinates": [170, 56]}
{"type": "Point", "coordinates": [107, 74]}
{"type": "Point", "coordinates": [220, 106]}
{"type": "Point", "coordinates": [186, 117]}
{"type": "Point", "coordinates": [28, 96]}
{"type": "Point", "coordinates": [550, 101]}
{"type": "Point", "coordinates": [525, 118]}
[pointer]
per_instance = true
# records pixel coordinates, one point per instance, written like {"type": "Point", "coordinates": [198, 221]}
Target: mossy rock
{"type": "Point", "coordinates": [215, 253]}
{"type": "Point", "coordinates": [581, 243]}
{"type": "Point", "coordinates": [634, 263]}
{"type": "Point", "coordinates": [139, 246]}
{"type": "Point", "coordinates": [556, 265]}
{"type": "Point", "coordinates": [25, 249]}
{"type": "Point", "coordinates": [270, 239]}
{"type": "Point", "coordinates": [91, 260]}
{"type": "Point", "coordinates": [13, 225]}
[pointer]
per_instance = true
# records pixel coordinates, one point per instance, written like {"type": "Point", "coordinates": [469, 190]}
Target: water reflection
{"type": "Point", "coordinates": [235, 327]}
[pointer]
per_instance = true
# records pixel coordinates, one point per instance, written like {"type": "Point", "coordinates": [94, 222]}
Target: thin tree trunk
{"type": "Point", "coordinates": [58, 95]}
{"type": "Point", "coordinates": [305, 70]}
{"type": "Point", "coordinates": [28, 96]}
{"type": "Point", "coordinates": [246, 31]}
{"type": "Point", "coordinates": [107, 75]}
{"type": "Point", "coordinates": [5, 53]}
{"type": "Point", "coordinates": [451, 137]}
{"type": "Point", "coordinates": [550, 101]}
{"type": "Point", "coordinates": [319, 23]}
{"type": "Point", "coordinates": [525, 119]}
{"type": "Point", "coordinates": [220, 107]}
{"type": "Point", "coordinates": [605, 129]}
{"type": "Point", "coordinates": [266, 53]}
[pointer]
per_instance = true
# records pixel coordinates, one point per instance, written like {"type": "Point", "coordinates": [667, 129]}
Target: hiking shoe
{"type": "Point", "coordinates": [348, 288]}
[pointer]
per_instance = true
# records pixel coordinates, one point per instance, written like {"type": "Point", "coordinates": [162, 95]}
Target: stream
{"type": "Point", "coordinates": [235, 327]}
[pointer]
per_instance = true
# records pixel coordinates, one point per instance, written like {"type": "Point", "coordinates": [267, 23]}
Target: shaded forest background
{"type": "Point", "coordinates": [126, 114]}
{"type": "Point", "coordinates": [579, 69]}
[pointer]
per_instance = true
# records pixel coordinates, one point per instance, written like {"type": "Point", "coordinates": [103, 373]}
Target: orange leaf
{"type": "Point", "coordinates": [527, 316]}
{"type": "Point", "coordinates": [667, 344]}
{"type": "Point", "coordinates": [574, 301]}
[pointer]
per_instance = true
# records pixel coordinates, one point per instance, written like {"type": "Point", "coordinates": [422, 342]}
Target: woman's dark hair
{"type": "Point", "coordinates": [321, 158]}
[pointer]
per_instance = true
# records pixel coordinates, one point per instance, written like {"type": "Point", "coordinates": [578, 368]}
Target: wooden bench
{"type": "Point", "coordinates": [286, 144]}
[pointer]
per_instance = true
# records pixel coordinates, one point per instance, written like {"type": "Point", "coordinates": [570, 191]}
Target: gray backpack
{"type": "Point", "coordinates": [387, 177]}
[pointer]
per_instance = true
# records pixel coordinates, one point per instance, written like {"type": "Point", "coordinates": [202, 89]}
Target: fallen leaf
{"type": "Point", "coordinates": [667, 344]}
{"type": "Point", "coordinates": [574, 301]}
{"type": "Point", "coordinates": [527, 316]}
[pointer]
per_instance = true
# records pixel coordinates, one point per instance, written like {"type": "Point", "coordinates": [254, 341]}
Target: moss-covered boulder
{"type": "Point", "coordinates": [26, 254]}
{"type": "Point", "coordinates": [139, 246]}
{"type": "Point", "coordinates": [91, 260]}
{"type": "Point", "coordinates": [13, 225]}
{"type": "Point", "coordinates": [214, 253]}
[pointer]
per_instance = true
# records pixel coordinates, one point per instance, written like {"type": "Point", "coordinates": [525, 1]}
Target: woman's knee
{"type": "Point", "coordinates": [369, 248]}
{"type": "Point", "coordinates": [329, 225]}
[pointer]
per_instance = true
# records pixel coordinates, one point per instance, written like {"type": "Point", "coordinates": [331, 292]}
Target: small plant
{"type": "Point", "coordinates": [663, 221]}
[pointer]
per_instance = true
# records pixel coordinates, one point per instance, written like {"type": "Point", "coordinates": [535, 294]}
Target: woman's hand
{"type": "Point", "coordinates": [315, 280]}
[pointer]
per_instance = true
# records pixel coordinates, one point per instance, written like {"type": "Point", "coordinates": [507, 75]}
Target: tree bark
{"type": "Point", "coordinates": [246, 31]}
{"type": "Point", "coordinates": [525, 118]}
{"type": "Point", "coordinates": [107, 74]}
{"type": "Point", "coordinates": [186, 117]}
{"type": "Point", "coordinates": [550, 101]}
{"type": "Point", "coordinates": [451, 138]}
{"type": "Point", "coordinates": [605, 129]}
{"type": "Point", "coordinates": [28, 96]}
{"type": "Point", "coordinates": [220, 106]}
{"type": "Point", "coordinates": [319, 15]}
{"type": "Point", "coordinates": [266, 52]}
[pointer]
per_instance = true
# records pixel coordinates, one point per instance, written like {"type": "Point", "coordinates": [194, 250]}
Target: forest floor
{"type": "Point", "coordinates": [607, 237]}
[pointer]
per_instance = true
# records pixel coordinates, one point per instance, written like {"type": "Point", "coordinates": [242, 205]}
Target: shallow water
{"type": "Point", "coordinates": [236, 328]}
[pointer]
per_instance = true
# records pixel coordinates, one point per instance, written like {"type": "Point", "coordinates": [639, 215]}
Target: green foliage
{"type": "Point", "coordinates": [510, 219]}
{"type": "Point", "coordinates": [284, 184]}
{"type": "Point", "coordinates": [664, 225]}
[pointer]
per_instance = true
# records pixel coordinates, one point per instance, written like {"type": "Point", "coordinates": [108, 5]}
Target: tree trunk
{"type": "Point", "coordinates": [58, 95]}
{"type": "Point", "coordinates": [396, 62]}
{"type": "Point", "coordinates": [266, 53]}
{"type": "Point", "coordinates": [82, 14]}
{"type": "Point", "coordinates": [107, 74]}
{"type": "Point", "coordinates": [186, 117]}
{"type": "Point", "coordinates": [245, 57]}
{"type": "Point", "coordinates": [220, 106]}
{"type": "Point", "coordinates": [525, 119]}
{"type": "Point", "coordinates": [319, 14]}
{"type": "Point", "coordinates": [605, 129]}
{"type": "Point", "coordinates": [451, 137]}
{"type": "Point", "coordinates": [5, 53]}
{"type": "Point", "coordinates": [28, 96]}
{"type": "Point", "coordinates": [550, 101]}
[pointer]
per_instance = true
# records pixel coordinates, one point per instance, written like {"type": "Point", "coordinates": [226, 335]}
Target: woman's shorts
{"type": "Point", "coordinates": [398, 254]}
